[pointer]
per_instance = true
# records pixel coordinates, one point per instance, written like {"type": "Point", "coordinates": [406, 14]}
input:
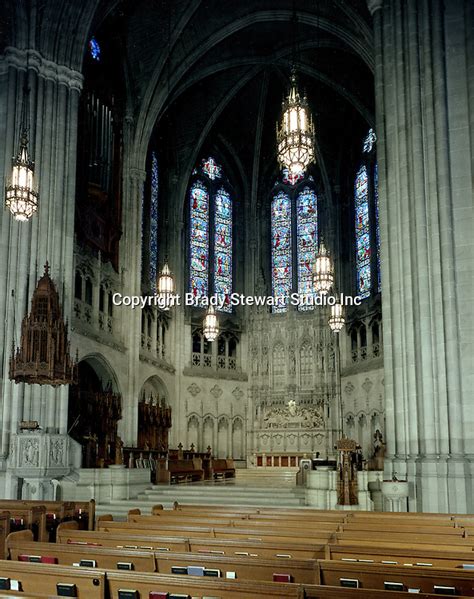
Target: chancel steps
{"type": "Point", "coordinates": [224, 493]}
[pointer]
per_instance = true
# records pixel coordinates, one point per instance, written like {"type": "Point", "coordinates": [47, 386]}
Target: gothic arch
{"type": "Point", "coordinates": [104, 370]}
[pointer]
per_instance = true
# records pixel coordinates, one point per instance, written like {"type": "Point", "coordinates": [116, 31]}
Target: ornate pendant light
{"type": "Point", "coordinates": [295, 132]}
{"type": "Point", "coordinates": [165, 286]}
{"type": "Point", "coordinates": [323, 271]}
{"type": "Point", "coordinates": [336, 320]}
{"type": "Point", "coordinates": [21, 198]}
{"type": "Point", "coordinates": [210, 324]}
{"type": "Point", "coordinates": [43, 357]}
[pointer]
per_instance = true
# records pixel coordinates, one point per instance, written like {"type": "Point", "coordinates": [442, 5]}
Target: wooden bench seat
{"type": "Point", "coordinates": [21, 547]}
{"type": "Point", "coordinates": [435, 555]}
{"type": "Point", "coordinates": [407, 538]}
{"type": "Point", "coordinates": [23, 517]}
{"type": "Point", "coordinates": [194, 586]}
{"type": "Point", "coordinates": [245, 567]}
{"type": "Point", "coordinates": [222, 468]}
{"type": "Point", "coordinates": [375, 576]}
{"type": "Point", "coordinates": [289, 549]}
{"type": "Point", "coordinates": [274, 532]}
{"type": "Point", "coordinates": [42, 579]}
{"type": "Point", "coordinates": [175, 471]}
{"type": "Point", "coordinates": [297, 525]}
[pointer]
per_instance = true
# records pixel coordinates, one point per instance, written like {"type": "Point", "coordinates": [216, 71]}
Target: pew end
{"type": "Point", "coordinates": [133, 512]}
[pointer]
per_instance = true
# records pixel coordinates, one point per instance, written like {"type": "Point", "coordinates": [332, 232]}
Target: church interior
{"type": "Point", "coordinates": [237, 265]}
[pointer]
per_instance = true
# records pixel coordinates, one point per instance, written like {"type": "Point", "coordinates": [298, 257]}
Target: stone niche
{"type": "Point", "coordinates": [37, 458]}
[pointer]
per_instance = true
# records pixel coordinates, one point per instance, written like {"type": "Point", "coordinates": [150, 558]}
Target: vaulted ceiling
{"type": "Point", "coordinates": [211, 74]}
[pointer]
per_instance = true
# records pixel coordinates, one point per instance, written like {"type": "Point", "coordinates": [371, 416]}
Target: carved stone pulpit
{"type": "Point", "coordinates": [38, 458]}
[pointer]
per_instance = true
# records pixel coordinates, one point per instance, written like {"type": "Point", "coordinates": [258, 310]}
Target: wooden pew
{"type": "Point", "coordinates": [22, 517]}
{"type": "Point", "coordinates": [244, 567]}
{"type": "Point", "coordinates": [4, 532]}
{"type": "Point", "coordinates": [20, 548]}
{"type": "Point", "coordinates": [42, 579]}
{"type": "Point", "coordinates": [155, 522]}
{"type": "Point", "coordinates": [415, 555]}
{"type": "Point", "coordinates": [388, 528]}
{"type": "Point", "coordinates": [300, 516]}
{"type": "Point", "coordinates": [289, 549]}
{"type": "Point", "coordinates": [175, 471]}
{"type": "Point", "coordinates": [277, 535]}
{"type": "Point", "coordinates": [222, 468]}
{"type": "Point", "coordinates": [376, 576]}
{"type": "Point", "coordinates": [320, 592]}
{"type": "Point", "coordinates": [145, 584]}
{"type": "Point", "coordinates": [407, 538]}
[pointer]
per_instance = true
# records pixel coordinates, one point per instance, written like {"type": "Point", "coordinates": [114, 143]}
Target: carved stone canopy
{"type": "Point", "coordinates": [43, 357]}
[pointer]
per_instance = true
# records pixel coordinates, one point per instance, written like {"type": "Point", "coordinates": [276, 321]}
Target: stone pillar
{"type": "Point", "coordinates": [134, 179]}
{"type": "Point", "coordinates": [425, 189]}
{"type": "Point", "coordinates": [25, 247]}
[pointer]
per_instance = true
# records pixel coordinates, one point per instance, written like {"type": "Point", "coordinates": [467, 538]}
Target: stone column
{"type": "Point", "coordinates": [426, 252]}
{"type": "Point", "coordinates": [134, 179]}
{"type": "Point", "coordinates": [48, 236]}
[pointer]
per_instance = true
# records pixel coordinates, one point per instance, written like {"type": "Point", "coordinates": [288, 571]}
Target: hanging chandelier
{"type": "Point", "coordinates": [336, 320]}
{"type": "Point", "coordinates": [323, 271]}
{"type": "Point", "coordinates": [295, 132]}
{"type": "Point", "coordinates": [210, 324]}
{"type": "Point", "coordinates": [165, 286]}
{"type": "Point", "coordinates": [20, 196]}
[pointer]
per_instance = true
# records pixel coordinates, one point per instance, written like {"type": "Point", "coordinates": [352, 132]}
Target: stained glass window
{"type": "Point", "coordinates": [281, 249]}
{"type": "Point", "coordinates": [369, 141]}
{"type": "Point", "coordinates": [94, 49]}
{"type": "Point", "coordinates": [291, 178]}
{"type": "Point", "coordinates": [377, 225]}
{"type": "Point", "coordinates": [362, 228]}
{"type": "Point", "coordinates": [211, 168]}
{"type": "Point", "coordinates": [307, 240]}
{"type": "Point", "coordinates": [199, 239]}
{"type": "Point", "coordinates": [223, 246]}
{"type": "Point", "coordinates": [153, 247]}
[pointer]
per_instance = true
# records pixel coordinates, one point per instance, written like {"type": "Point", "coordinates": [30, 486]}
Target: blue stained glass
{"type": "Point", "coordinates": [94, 49]}
{"type": "Point", "coordinates": [377, 225]}
{"type": "Point", "coordinates": [223, 247]}
{"type": "Point", "coordinates": [211, 168]}
{"type": "Point", "coordinates": [307, 240]}
{"type": "Point", "coordinates": [153, 247]}
{"type": "Point", "coordinates": [199, 226]}
{"type": "Point", "coordinates": [362, 232]}
{"type": "Point", "coordinates": [281, 249]}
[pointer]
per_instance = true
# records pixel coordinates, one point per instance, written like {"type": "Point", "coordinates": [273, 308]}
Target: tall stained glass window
{"type": "Point", "coordinates": [199, 240]}
{"type": "Point", "coordinates": [362, 228]}
{"type": "Point", "coordinates": [153, 248]}
{"type": "Point", "coordinates": [307, 240]}
{"type": "Point", "coordinates": [223, 246]}
{"type": "Point", "coordinates": [281, 249]}
{"type": "Point", "coordinates": [377, 224]}
{"type": "Point", "coordinates": [211, 229]}
{"type": "Point", "coordinates": [367, 230]}
{"type": "Point", "coordinates": [94, 49]}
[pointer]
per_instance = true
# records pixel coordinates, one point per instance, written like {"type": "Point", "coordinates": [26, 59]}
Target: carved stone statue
{"type": "Point", "coordinates": [118, 451]}
{"type": "Point", "coordinates": [379, 451]}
